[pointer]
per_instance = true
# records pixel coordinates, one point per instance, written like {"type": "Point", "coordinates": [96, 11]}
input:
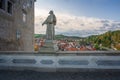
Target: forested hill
{"type": "Point", "coordinates": [106, 39]}
{"type": "Point", "coordinates": [57, 36]}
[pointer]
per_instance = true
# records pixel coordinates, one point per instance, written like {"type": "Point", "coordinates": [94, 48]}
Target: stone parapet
{"type": "Point", "coordinates": [58, 63]}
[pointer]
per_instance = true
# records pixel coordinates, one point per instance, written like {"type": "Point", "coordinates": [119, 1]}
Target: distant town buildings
{"type": "Point", "coordinates": [17, 25]}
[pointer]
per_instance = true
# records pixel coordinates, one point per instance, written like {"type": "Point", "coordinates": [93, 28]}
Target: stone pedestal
{"type": "Point", "coordinates": [48, 47]}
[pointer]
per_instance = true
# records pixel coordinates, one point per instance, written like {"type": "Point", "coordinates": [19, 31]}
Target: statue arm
{"type": "Point", "coordinates": [45, 22]}
{"type": "Point", "coordinates": [50, 19]}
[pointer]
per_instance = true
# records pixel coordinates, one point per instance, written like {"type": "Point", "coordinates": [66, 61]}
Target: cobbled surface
{"type": "Point", "coordinates": [32, 75]}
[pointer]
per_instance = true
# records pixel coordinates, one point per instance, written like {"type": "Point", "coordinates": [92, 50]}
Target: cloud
{"type": "Point", "coordinates": [72, 25]}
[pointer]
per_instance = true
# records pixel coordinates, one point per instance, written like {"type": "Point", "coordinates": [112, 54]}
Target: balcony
{"type": "Point", "coordinates": [60, 61]}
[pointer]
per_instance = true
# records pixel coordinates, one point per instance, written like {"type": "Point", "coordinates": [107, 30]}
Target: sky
{"type": "Point", "coordinates": [79, 17]}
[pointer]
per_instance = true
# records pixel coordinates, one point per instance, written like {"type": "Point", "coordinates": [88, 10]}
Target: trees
{"type": "Point", "coordinates": [106, 39]}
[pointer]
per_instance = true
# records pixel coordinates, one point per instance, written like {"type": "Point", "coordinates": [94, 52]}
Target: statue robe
{"type": "Point", "coordinates": [50, 31]}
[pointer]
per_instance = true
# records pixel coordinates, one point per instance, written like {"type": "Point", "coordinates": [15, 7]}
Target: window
{"type": "Point", "coordinates": [6, 5]}
{"type": "Point", "coordinates": [9, 7]}
{"type": "Point", "coordinates": [2, 4]}
{"type": "Point", "coordinates": [24, 17]}
{"type": "Point", "coordinates": [31, 3]}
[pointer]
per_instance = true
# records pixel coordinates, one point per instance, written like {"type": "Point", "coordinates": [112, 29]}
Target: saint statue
{"type": "Point", "coordinates": [50, 22]}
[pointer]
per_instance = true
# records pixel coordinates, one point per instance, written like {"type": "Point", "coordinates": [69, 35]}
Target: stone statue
{"type": "Point", "coordinates": [50, 22]}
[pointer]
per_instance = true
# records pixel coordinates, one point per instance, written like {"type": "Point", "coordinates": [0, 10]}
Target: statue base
{"type": "Point", "coordinates": [48, 47]}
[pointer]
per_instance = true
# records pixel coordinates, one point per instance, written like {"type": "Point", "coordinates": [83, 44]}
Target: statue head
{"type": "Point", "coordinates": [51, 12]}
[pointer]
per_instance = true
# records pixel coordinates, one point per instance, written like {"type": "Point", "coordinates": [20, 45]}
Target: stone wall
{"type": "Point", "coordinates": [11, 23]}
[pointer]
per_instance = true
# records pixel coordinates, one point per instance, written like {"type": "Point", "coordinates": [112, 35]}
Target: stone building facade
{"type": "Point", "coordinates": [17, 25]}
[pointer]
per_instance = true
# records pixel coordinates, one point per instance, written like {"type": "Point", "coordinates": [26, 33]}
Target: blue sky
{"type": "Point", "coordinates": [79, 17]}
{"type": "Point", "coordinates": [104, 9]}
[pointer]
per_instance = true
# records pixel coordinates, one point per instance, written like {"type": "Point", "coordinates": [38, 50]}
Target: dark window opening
{"type": "Point", "coordinates": [31, 3]}
{"type": "Point", "coordinates": [9, 7]}
{"type": "Point", "coordinates": [2, 4]}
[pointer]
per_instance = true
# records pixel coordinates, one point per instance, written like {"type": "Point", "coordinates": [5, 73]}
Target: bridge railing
{"type": "Point", "coordinates": [61, 60]}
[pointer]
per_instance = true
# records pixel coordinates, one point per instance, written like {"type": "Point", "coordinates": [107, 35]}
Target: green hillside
{"type": "Point", "coordinates": [39, 35]}
{"type": "Point", "coordinates": [57, 36]}
{"type": "Point", "coordinates": [107, 39]}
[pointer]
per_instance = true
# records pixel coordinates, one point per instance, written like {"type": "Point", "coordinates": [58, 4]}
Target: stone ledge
{"type": "Point", "coordinates": [63, 53]}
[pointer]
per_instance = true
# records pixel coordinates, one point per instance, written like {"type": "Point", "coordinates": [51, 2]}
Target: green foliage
{"type": "Point", "coordinates": [39, 35]}
{"type": "Point", "coordinates": [57, 37]}
{"type": "Point", "coordinates": [106, 39]}
{"type": "Point", "coordinates": [60, 36]}
{"type": "Point", "coordinates": [96, 46]}
{"type": "Point", "coordinates": [66, 37]}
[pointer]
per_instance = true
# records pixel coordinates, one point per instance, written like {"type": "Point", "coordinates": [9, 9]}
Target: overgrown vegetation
{"type": "Point", "coordinates": [108, 39]}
